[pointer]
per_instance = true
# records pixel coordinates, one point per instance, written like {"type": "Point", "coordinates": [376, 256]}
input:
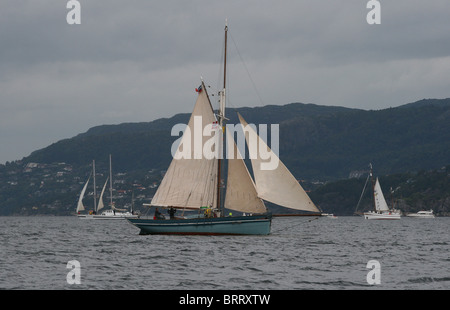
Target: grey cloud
{"type": "Point", "coordinates": [139, 60]}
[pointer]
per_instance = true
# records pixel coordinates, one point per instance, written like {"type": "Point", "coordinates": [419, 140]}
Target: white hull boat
{"type": "Point", "coordinates": [422, 214]}
{"type": "Point", "coordinates": [111, 215]}
{"type": "Point", "coordinates": [381, 209]}
{"type": "Point", "coordinates": [382, 215]}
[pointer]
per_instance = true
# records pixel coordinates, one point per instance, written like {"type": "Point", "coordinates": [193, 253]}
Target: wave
{"type": "Point", "coordinates": [429, 280]}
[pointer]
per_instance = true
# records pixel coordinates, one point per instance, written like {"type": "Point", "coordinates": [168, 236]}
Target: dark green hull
{"type": "Point", "coordinates": [240, 225]}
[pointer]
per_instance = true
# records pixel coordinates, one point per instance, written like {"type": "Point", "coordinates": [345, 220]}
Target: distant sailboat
{"type": "Point", "coordinates": [194, 183]}
{"type": "Point", "coordinates": [381, 210]}
{"type": "Point", "coordinates": [113, 213]}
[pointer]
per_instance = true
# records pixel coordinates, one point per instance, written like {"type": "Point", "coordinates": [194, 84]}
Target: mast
{"type": "Point", "coordinates": [110, 183]}
{"type": "Point", "coordinates": [221, 116]}
{"type": "Point", "coordinates": [225, 58]}
{"type": "Point", "coordinates": [95, 190]}
{"type": "Point", "coordinates": [362, 193]}
{"type": "Point", "coordinates": [373, 187]}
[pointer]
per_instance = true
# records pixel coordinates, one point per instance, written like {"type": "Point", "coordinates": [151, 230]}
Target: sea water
{"type": "Point", "coordinates": [300, 253]}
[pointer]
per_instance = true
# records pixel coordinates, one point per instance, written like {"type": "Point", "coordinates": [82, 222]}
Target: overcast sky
{"type": "Point", "coordinates": [139, 60]}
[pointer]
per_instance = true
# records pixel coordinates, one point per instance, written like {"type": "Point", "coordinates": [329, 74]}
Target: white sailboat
{"type": "Point", "coordinates": [194, 183]}
{"type": "Point", "coordinates": [382, 211]}
{"type": "Point", "coordinates": [113, 213]}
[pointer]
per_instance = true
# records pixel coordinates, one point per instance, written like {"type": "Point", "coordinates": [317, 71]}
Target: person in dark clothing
{"type": "Point", "coordinates": [158, 215]}
{"type": "Point", "coordinates": [171, 212]}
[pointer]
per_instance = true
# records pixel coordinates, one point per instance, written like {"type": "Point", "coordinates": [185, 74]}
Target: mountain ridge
{"type": "Point", "coordinates": [312, 137]}
{"type": "Point", "coordinates": [321, 145]}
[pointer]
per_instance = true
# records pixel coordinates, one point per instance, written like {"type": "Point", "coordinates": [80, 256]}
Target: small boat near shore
{"type": "Point", "coordinates": [422, 214]}
{"type": "Point", "coordinates": [381, 209]}
{"type": "Point", "coordinates": [382, 215]}
{"type": "Point", "coordinates": [114, 215]}
{"type": "Point", "coordinates": [330, 215]}
{"type": "Point", "coordinates": [111, 214]}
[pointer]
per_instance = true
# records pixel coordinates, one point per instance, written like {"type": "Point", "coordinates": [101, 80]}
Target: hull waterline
{"type": "Point", "coordinates": [105, 217]}
{"type": "Point", "coordinates": [241, 225]}
{"type": "Point", "coordinates": [381, 216]}
{"type": "Point", "coordinates": [112, 217]}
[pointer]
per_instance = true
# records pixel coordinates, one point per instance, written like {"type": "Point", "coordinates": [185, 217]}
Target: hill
{"type": "Point", "coordinates": [317, 143]}
{"type": "Point", "coordinates": [411, 192]}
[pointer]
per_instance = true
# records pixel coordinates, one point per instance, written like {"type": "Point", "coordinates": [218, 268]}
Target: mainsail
{"type": "Point", "coordinates": [241, 193]}
{"type": "Point", "coordinates": [380, 202]}
{"type": "Point", "coordinates": [100, 201]}
{"type": "Point", "coordinates": [278, 185]}
{"type": "Point", "coordinates": [191, 179]}
{"type": "Point", "coordinates": [80, 206]}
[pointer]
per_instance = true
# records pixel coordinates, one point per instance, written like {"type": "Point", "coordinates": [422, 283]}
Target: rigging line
{"type": "Point", "coordinates": [364, 189]}
{"type": "Point", "coordinates": [220, 73]}
{"type": "Point", "coordinates": [246, 69]}
{"type": "Point", "coordinates": [296, 224]}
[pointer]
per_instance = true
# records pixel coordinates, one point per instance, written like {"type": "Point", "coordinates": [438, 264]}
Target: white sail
{"type": "Point", "coordinates": [278, 185]}
{"type": "Point", "coordinates": [80, 206]}
{"type": "Point", "coordinates": [100, 201]}
{"type": "Point", "coordinates": [380, 202]}
{"type": "Point", "coordinates": [191, 182]}
{"type": "Point", "coordinates": [241, 193]}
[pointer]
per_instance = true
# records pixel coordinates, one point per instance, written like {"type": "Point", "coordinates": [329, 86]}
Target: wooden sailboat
{"type": "Point", "coordinates": [194, 183]}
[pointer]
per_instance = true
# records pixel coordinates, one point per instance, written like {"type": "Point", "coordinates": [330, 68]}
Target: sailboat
{"type": "Point", "coordinates": [113, 213]}
{"type": "Point", "coordinates": [381, 209]}
{"type": "Point", "coordinates": [194, 182]}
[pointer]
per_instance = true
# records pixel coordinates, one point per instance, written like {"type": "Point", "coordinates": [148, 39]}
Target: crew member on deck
{"type": "Point", "coordinates": [171, 212]}
{"type": "Point", "coordinates": [158, 215]}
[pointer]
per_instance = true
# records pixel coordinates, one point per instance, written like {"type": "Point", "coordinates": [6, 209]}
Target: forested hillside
{"type": "Point", "coordinates": [319, 144]}
{"type": "Point", "coordinates": [316, 142]}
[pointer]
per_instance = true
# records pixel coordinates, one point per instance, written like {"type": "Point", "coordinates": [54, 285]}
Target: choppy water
{"type": "Point", "coordinates": [300, 253]}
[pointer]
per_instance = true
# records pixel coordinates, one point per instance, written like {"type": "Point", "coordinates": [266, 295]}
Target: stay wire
{"type": "Point", "coordinates": [362, 194]}
{"type": "Point", "coordinates": [246, 69]}
{"type": "Point", "coordinates": [296, 224]}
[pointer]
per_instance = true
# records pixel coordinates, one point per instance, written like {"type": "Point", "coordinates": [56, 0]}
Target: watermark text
{"type": "Point", "coordinates": [374, 275]}
{"type": "Point", "coordinates": [374, 15]}
{"type": "Point", "coordinates": [205, 141]}
{"type": "Point", "coordinates": [74, 15]}
{"type": "Point", "coordinates": [74, 275]}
